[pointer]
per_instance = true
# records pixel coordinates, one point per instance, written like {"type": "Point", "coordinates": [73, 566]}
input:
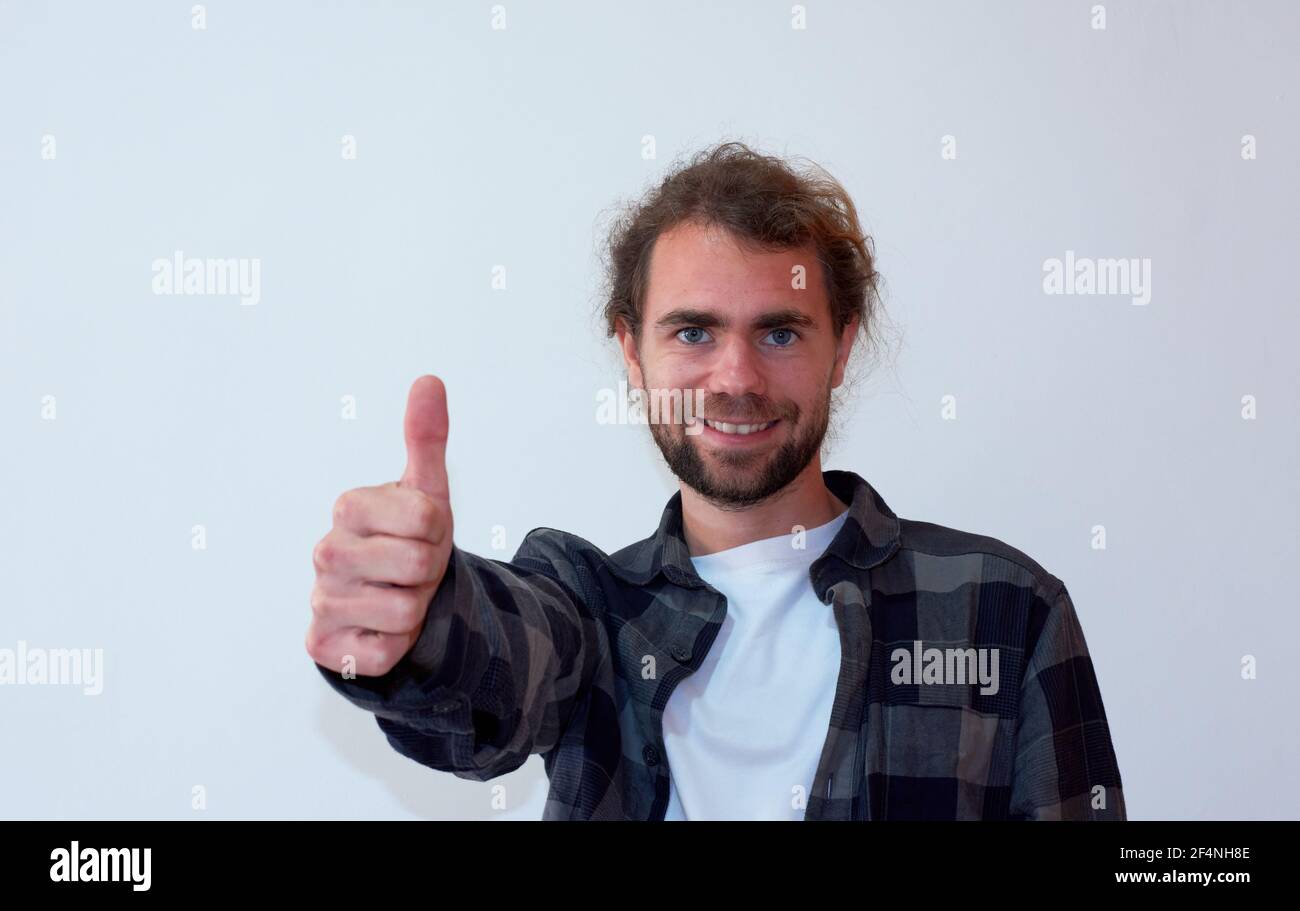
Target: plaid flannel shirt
{"type": "Point", "coordinates": [572, 653]}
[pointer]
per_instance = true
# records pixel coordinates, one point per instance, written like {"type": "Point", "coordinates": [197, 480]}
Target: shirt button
{"type": "Point", "coordinates": [682, 653]}
{"type": "Point", "coordinates": [650, 755]}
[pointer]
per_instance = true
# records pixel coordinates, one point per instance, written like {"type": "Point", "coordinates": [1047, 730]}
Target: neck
{"type": "Point", "coordinates": [805, 501]}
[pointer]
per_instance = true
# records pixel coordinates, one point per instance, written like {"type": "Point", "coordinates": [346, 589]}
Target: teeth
{"type": "Point", "coordinates": [738, 428]}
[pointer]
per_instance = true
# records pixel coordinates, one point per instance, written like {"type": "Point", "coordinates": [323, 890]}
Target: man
{"type": "Point", "coordinates": [783, 646]}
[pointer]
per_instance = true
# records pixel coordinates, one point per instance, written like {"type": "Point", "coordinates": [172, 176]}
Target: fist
{"type": "Point", "coordinates": [385, 556]}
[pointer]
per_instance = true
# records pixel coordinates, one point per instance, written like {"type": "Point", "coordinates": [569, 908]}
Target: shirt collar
{"type": "Point", "coordinates": [869, 535]}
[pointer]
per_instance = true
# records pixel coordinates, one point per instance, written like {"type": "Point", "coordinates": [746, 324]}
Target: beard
{"type": "Point", "coordinates": [739, 478]}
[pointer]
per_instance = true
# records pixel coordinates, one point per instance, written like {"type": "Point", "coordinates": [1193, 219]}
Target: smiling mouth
{"type": "Point", "coordinates": [738, 429]}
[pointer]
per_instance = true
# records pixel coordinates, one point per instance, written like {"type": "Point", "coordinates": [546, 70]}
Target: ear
{"type": "Point", "coordinates": [843, 349]}
{"type": "Point", "coordinates": [627, 342]}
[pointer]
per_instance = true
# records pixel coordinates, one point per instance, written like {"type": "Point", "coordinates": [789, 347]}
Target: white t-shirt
{"type": "Point", "coordinates": [745, 732]}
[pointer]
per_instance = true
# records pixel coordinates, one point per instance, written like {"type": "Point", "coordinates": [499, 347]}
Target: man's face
{"type": "Point", "coordinates": [736, 324]}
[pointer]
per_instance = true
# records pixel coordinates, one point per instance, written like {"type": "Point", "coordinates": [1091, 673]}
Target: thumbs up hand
{"type": "Point", "coordinates": [426, 439]}
{"type": "Point", "coordinates": [385, 556]}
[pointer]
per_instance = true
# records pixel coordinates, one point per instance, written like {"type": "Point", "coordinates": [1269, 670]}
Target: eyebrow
{"type": "Point", "coordinates": [709, 319]}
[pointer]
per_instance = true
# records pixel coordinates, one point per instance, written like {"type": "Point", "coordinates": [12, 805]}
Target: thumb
{"type": "Point", "coordinates": [426, 438]}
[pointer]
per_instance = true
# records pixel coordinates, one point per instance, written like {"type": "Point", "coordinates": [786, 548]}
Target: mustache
{"type": "Point", "coordinates": [742, 411]}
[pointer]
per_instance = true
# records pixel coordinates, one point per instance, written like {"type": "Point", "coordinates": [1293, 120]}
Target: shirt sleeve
{"type": "Point", "coordinates": [506, 652]}
{"type": "Point", "coordinates": [1065, 766]}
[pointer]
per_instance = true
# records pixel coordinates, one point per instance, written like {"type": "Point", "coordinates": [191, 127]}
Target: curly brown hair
{"type": "Point", "coordinates": [765, 203]}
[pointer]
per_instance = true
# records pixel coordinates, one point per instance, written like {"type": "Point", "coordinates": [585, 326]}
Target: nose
{"type": "Point", "coordinates": [738, 370]}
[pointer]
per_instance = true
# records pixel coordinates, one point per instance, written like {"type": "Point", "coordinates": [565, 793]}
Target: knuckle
{"type": "Point", "coordinates": [409, 610]}
{"type": "Point", "coordinates": [324, 555]}
{"type": "Point", "coordinates": [426, 516]}
{"type": "Point", "coordinates": [422, 560]}
{"type": "Point", "coordinates": [312, 642]}
{"type": "Point", "coordinates": [344, 508]}
{"type": "Point", "coordinates": [319, 602]}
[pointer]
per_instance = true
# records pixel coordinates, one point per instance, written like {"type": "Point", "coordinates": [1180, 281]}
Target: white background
{"type": "Point", "coordinates": [479, 147]}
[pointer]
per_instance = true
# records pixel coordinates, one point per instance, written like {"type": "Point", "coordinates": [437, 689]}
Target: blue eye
{"type": "Point", "coordinates": [788, 336]}
{"type": "Point", "coordinates": [688, 329]}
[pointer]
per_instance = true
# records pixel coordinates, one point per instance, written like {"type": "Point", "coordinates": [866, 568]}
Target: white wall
{"type": "Point", "coordinates": [478, 147]}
